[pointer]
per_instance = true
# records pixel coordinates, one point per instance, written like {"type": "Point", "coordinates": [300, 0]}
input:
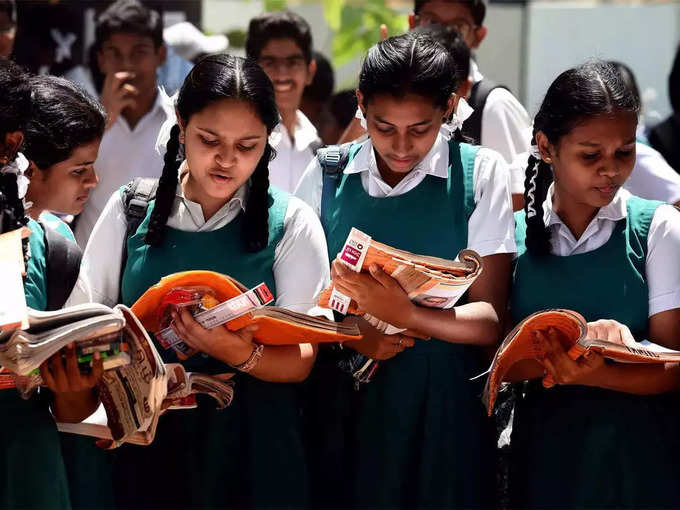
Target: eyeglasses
{"type": "Point", "coordinates": [294, 63]}
{"type": "Point", "coordinates": [461, 24]}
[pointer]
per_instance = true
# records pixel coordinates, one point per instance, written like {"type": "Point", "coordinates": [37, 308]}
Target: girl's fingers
{"type": "Point", "coordinates": [47, 376]}
{"type": "Point", "coordinates": [95, 375]}
{"type": "Point", "coordinates": [57, 367]}
{"type": "Point", "coordinates": [72, 370]}
{"type": "Point", "coordinates": [381, 276]}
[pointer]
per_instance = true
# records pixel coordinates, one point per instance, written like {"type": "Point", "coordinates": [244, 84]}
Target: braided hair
{"type": "Point", "coordinates": [592, 89]}
{"type": "Point", "coordinates": [214, 78]}
{"type": "Point", "coordinates": [14, 110]}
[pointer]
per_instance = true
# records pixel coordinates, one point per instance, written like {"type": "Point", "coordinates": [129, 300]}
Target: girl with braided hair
{"type": "Point", "coordinates": [605, 436]}
{"type": "Point", "coordinates": [214, 209]}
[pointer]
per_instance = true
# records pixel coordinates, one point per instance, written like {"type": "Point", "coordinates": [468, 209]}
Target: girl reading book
{"type": "Point", "coordinates": [416, 434]}
{"type": "Point", "coordinates": [605, 436]}
{"type": "Point", "coordinates": [214, 210]}
{"type": "Point", "coordinates": [29, 437]}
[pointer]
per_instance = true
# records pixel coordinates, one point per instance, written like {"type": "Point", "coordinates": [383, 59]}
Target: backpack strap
{"type": "Point", "coordinates": [333, 160]}
{"type": "Point", "coordinates": [478, 96]}
{"type": "Point", "coordinates": [136, 197]}
{"type": "Point", "coordinates": [62, 258]}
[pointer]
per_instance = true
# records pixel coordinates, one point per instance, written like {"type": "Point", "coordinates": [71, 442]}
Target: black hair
{"type": "Point", "coordinates": [321, 88]}
{"type": "Point", "coordinates": [212, 79]}
{"type": "Point", "coordinates": [14, 110]}
{"type": "Point", "coordinates": [129, 17]}
{"type": "Point", "coordinates": [63, 118]}
{"type": "Point", "coordinates": [476, 7]}
{"type": "Point", "coordinates": [674, 83]}
{"type": "Point", "coordinates": [409, 63]}
{"type": "Point", "coordinates": [9, 7]}
{"type": "Point", "coordinates": [278, 25]}
{"type": "Point", "coordinates": [453, 41]}
{"type": "Point", "coordinates": [592, 89]}
{"type": "Point", "coordinates": [628, 77]}
{"type": "Point", "coordinates": [343, 106]}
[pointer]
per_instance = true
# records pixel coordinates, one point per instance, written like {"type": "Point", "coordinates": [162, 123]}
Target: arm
{"type": "Point", "coordinates": [506, 126]}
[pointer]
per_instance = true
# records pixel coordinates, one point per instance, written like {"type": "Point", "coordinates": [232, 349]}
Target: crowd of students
{"type": "Point", "coordinates": [240, 191]}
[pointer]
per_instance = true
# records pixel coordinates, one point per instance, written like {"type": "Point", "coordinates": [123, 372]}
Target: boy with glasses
{"type": "Point", "coordinates": [281, 42]}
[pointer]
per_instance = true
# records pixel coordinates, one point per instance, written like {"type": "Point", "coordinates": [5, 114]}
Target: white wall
{"type": "Point", "coordinates": [563, 34]}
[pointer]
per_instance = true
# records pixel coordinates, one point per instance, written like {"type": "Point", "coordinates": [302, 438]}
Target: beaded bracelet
{"type": "Point", "coordinates": [252, 361]}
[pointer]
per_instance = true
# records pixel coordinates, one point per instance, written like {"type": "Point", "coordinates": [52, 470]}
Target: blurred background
{"type": "Point", "coordinates": [529, 42]}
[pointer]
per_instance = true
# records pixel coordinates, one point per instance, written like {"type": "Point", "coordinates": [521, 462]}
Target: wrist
{"type": "Point", "coordinates": [411, 317]}
{"type": "Point", "coordinates": [235, 355]}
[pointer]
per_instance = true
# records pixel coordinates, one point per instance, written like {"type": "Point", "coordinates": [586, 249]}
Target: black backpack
{"type": "Point", "coordinates": [665, 138]}
{"type": "Point", "coordinates": [62, 258]}
{"type": "Point", "coordinates": [136, 197]}
{"type": "Point", "coordinates": [472, 129]}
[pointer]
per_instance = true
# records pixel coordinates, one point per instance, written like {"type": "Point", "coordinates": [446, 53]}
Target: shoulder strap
{"type": "Point", "coordinates": [62, 258]}
{"type": "Point", "coordinates": [639, 219]}
{"type": "Point", "coordinates": [136, 197]}
{"type": "Point", "coordinates": [478, 96]}
{"type": "Point", "coordinates": [333, 160]}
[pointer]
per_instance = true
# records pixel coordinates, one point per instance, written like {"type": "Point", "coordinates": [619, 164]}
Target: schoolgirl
{"type": "Point", "coordinates": [417, 435]}
{"type": "Point", "coordinates": [215, 210]}
{"type": "Point", "coordinates": [607, 434]}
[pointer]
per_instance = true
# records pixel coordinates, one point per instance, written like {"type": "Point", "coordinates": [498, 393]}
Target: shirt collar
{"type": "Point", "coordinates": [614, 211]}
{"type": "Point", "coordinates": [305, 133]}
{"type": "Point", "coordinates": [435, 162]}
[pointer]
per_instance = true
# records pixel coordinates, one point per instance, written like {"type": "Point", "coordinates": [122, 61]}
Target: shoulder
{"type": "Point", "coordinates": [55, 223]}
{"type": "Point", "coordinates": [299, 215]}
{"type": "Point", "coordinates": [502, 99]}
{"type": "Point", "coordinates": [489, 165]}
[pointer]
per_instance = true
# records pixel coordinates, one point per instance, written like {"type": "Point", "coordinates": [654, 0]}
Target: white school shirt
{"type": "Point", "coordinates": [652, 178]}
{"type": "Point", "coordinates": [491, 227]}
{"type": "Point", "coordinates": [301, 268]}
{"type": "Point", "coordinates": [506, 126]}
{"type": "Point", "coordinates": [123, 155]}
{"type": "Point", "coordinates": [292, 157]}
{"type": "Point", "coordinates": [663, 245]}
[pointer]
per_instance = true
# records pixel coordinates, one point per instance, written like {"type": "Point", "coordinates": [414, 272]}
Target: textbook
{"type": "Point", "coordinates": [520, 344]}
{"type": "Point", "coordinates": [13, 310]}
{"type": "Point", "coordinates": [136, 386]}
{"type": "Point", "coordinates": [428, 281]}
{"type": "Point", "coordinates": [215, 299]}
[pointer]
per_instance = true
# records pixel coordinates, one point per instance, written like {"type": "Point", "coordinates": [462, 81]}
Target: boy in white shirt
{"type": "Point", "coordinates": [130, 38]}
{"type": "Point", "coordinates": [281, 42]}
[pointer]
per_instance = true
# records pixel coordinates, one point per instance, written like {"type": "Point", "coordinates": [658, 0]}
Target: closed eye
{"type": "Point", "coordinates": [205, 141]}
{"type": "Point", "coordinates": [246, 148]}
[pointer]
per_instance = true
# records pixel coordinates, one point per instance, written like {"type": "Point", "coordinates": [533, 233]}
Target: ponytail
{"type": "Point", "coordinates": [165, 195]}
{"type": "Point", "coordinates": [536, 183]}
{"type": "Point", "coordinates": [255, 232]}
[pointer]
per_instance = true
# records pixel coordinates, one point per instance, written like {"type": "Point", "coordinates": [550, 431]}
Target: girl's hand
{"type": "Point", "coordinates": [377, 294]}
{"type": "Point", "coordinates": [378, 346]}
{"type": "Point", "coordinates": [63, 376]}
{"type": "Point", "coordinates": [611, 331]}
{"type": "Point", "coordinates": [561, 369]}
{"type": "Point", "coordinates": [232, 347]}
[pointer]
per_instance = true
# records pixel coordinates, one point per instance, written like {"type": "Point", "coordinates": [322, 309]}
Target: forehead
{"type": "Point", "coordinates": [281, 47]}
{"type": "Point", "coordinates": [447, 11]}
{"type": "Point", "coordinates": [219, 116]}
{"type": "Point", "coordinates": [402, 111]}
{"type": "Point", "coordinates": [611, 129]}
{"type": "Point", "coordinates": [83, 154]}
{"type": "Point", "coordinates": [125, 40]}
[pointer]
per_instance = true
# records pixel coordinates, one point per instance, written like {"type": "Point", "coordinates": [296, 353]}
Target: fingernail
{"type": "Point", "coordinates": [97, 355]}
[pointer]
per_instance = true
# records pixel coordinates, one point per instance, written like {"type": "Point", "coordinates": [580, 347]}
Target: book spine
{"type": "Point", "coordinates": [352, 255]}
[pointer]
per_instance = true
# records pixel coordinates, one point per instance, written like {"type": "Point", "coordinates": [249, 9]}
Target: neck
{"type": "Point", "coordinates": [35, 212]}
{"type": "Point", "coordinates": [142, 106]}
{"type": "Point", "coordinates": [390, 177]}
{"type": "Point", "coordinates": [289, 119]}
{"type": "Point", "coordinates": [576, 216]}
{"type": "Point", "coordinates": [192, 191]}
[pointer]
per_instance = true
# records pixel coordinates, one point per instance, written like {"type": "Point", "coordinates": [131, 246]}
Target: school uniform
{"type": "Point", "coordinates": [506, 125]}
{"type": "Point", "coordinates": [417, 434]}
{"type": "Point", "coordinates": [250, 454]}
{"type": "Point", "coordinates": [292, 156]}
{"type": "Point", "coordinates": [124, 154]}
{"type": "Point", "coordinates": [582, 447]}
{"type": "Point", "coordinates": [32, 473]}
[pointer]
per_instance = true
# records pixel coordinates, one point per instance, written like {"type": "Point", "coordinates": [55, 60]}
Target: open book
{"type": "Point", "coordinates": [428, 281]}
{"type": "Point", "coordinates": [221, 300]}
{"type": "Point", "coordinates": [521, 344]}
{"type": "Point", "coordinates": [135, 388]}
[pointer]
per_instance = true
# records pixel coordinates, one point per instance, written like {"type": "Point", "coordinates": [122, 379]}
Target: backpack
{"type": "Point", "coordinates": [664, 138]}
{"type": "Point", "coordinates": [333, 160]}
{"type": "Point", "coordinates": [136, 197]}
{"type": "Point", "coordinates": [472, 129]}
{"type": "Point", "coordinates": [62, 257]}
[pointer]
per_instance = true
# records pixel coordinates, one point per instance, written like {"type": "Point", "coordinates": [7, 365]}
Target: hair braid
{"type": "Point", "coordinates": [255, 233]}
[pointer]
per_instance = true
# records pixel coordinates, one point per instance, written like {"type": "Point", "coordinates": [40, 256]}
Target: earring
{"type": "Point", "coordinates": [548, 160]}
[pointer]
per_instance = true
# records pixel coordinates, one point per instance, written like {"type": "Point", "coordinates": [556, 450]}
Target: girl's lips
{"type": "Point", "coordinates": [607, 190]}
{"type": "Point", "coordinates": [402, 162]}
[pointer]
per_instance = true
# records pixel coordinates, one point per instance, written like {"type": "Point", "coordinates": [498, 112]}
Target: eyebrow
{"type": "Point", "coordinates": [421, 123]}
{"type": "Point", "coordinates": [84, 163]}
{"type": "Point", "coordinates": [593, 144]}
{"type": "Point", "coordinates": [250, 137]}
